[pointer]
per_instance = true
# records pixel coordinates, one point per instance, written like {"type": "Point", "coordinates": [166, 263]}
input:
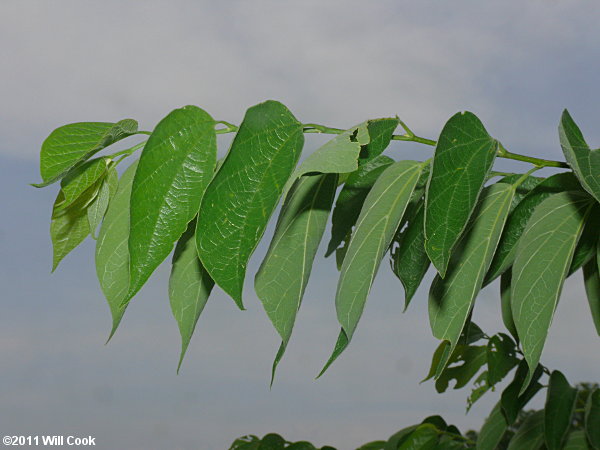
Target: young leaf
{"type": "Point", "coordinates": [584, 162]}
{"type": "Point", "coordinates": [112, 251]}
{"type": "Point", "coordinates": [80, 179]}
{"type": "Point", "coordinates": [72, 144]}
{"type": "Point", "coordinates": [189, 287]}
{"type": "Point", "coordinates": [591, 277]}
{"type": "Point", "coordinates": [351, 198]}
{"type": "Point", "coordinates": [543, 257]}
{"type": "Point", "coordinates": [515, 225]}
{"type": "Point", "coordinates": [176, 165]}
{"type": "Point", "coordinates": [463, 158]}
{"type": "Point", "coordinates": [530, 435]}
{"type": "Point", "coordinates": [592, 418]}
{"type": "Point", "coordinates": [560, 404]}
{"type": "Point", "coordinates": [505, 304]}
{"type": "Point", "coordinates": [379, 218]}
{"type": "Point", "coordinates": [284, 273]}
{"type": "Point", "coordinates": [492, 430]}
{"type": "Point", "coordinates": [243, 194]}
{"type": "Point", "coordinates": [98, 208]}
{"type": "Point", "coordinates": [451, 298]}
{"type": "Point", "coordinates": [410, 261]}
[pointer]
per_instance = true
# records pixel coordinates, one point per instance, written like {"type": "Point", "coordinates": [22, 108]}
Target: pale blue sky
{"type": "Point", "coordinates": [515, 64]}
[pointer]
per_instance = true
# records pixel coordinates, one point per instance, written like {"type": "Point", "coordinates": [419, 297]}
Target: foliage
{"type": "Point", "coordinates": [451, 211]}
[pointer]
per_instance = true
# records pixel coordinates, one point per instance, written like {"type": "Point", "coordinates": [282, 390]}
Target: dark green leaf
{"type": "Point", "coordinates": [560, 404]}
{"type": "Point", "coordinates": [72, 144]}
{"type": "Point", "coordinates": [176, 165]}
{"type": "Point", "coordinates": [492, 430]}
{"type": "Point", "coordinates": [584, 162]}
{"type": "Point", "coordinates": [451, 298]}
{"type": "Point", "coordinates": [351, 198]}
{"type": "Point", "coordinates": [530, 435]}
{"type": "Point", "coordinates": [107, 191]}
{"type": "Point", "coordinates": [112, 251]}
{"type": "Point", "coordinates": [424, 437]}
{"type": "Point", "coordinates": [576, 441]}
{"type": "Point", "coordinates": [515, 225]}
{"type": "Point", "coordinates": [380, 135]}
{"type": "Point", "coordinates": [511, 400]}
{"type": "Point", "coordinates": [591, 278]}
{"type": "Point", "coordinates": [271, 441]}
{"type": "Point", "coordinates": [543, 257]}
{"type": "Point", "coordinates": [284, 273]}
{"type": "Point", "coordinates": [592, 418]}
{"type": "Point", "coordinates": [501, 357]}
{"type": "Point", "coordinates": [505, 304]}
{"type": "Point", "coordinates": [523, 188]}
{"type": "Point", "coordinates": [395, 439]}
{"type": "Point", "coordinates": [375, 445]}
{"type": "Point", "coordinates": [463, 365]}
{"type": "Point", "coordinates": [189, 287]}
{"type": "Point", "coordinates": [242, 196]}
{"type": "Point", "coordinates": [464, 156]}
{"type": "Point", "coordinates": [586, 246]}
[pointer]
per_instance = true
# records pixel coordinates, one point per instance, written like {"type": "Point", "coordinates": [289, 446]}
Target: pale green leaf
{"type": "Point", "coordinates": [560, 404]}
{"type": "Point", "coordinates": [107, 191]}
{"type": "Point", "coordinates": [451, 298]}
{"type": "Point", "coordinates": [285, 270]}
{"type": "Point", "coordinates": [73, 144]}
{"type": "Point", "coordinates": [189, 287]}
{"type": "Point", "coordinates": [543, 258]}
{"type": "Point", "coordinates": [176, 165]}
{"type": "Point", "coordinates": [244, 193]}
{"type": "Point", "coordinates": [530, 435]}
{"type": "Point", "coordinates": [463, 158]}
{"type": "Point", "coordinates": [112, 251]}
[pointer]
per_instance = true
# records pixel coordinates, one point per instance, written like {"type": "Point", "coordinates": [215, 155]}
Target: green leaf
{"type": "Point", "coordinates": [530, 435]}
{"type": "Point", "coordinates": [586, 246]}
{"type": "Point", "coordinates": [424, 437]}
{"type": "Point", "coordinates": [462, 366]}
{"type": "Point", "coordinates": [560, 404]}
{"type": "Point", "coordinates": [379, 218]}
{"type": "Point", "coordinates": [522, 188]}
{"type": "Point", "coordinates": [398, 437]}
{"type": "Point", "coordinates": [584, 162]}
{"type": "Point", "coordinates": [352, 197]}
{"type": "Point", "coordinates": [272, 441]}
{"type": "Point", "coordinates": [69, 226]}
{"type": "Point", "coordinates": [543, 257]}
{"type": "Point", "coordinates": [375, 445]}
{"type": "Point", "coordinates": [243, 194]}
{"type": "Point", "coordinates": [73, 144]}
{"type": "Point", "coordinates": [112, 251]}
{"type": "Point", "coordinates": [512, 400]}
{"type": "Point", "coordinates": [98, 208]}
{"type": "Point", "coordinates": [501, 357]}
{"type": "Point", "coordinates": [451, 298]}
{"type": "Point", "coordinates": [80, 179]}
{"type": "Point", "coordinates": [505, 304]}
{"type": "Point", "coordinates": [410, 261]}
{"type": "Point", "coordinates": [576, 441]}
{"type": "Point", "coordinates": [284, 273]}
{"type": "Point", "coordinates": [493, 430]}
{"type": "Point", "coordinates": [591, 276]}
{"type": "Point", "coordinates": [189, 287]}
{"type": "Point", "coordinates": [176, 165]}
{"type": "Point", "coordinates": [592, 418]}
{"type": "Point", "coordinates": [380, 135]}
{"type": "Point", "coordinates": [517, 221]}
{"type": "Point", "coordinates": [463, 158]}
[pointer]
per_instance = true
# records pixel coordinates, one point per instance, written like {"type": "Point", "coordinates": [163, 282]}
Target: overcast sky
{"type": "Point", "coordinates": [515, 64]}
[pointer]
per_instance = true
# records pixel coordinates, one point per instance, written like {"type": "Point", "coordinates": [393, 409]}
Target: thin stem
{"type": "Point", "coordinates": [148, 133]}
{"type": "Point", "coordinates": [229, 127]}
{"type": "Point", "coordinates": [128, 151]}
{"type": "Point", "coordinates": [503, 153]}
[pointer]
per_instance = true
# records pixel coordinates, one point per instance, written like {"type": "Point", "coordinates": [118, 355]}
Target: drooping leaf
{"type": "Point", "coordinates": [515, 225]}
{"type": "Point", "coordinates": [107, 191]}
{"type": "Point", "coordinates": [379, 218]}
{"type": "Point", "coordinates": [584, 162]}
{"type": "Point", "coordinates": [560, 404]}
{"type": "Point", "coordinates": [586, 245]}
{"type": "Point", "coordinates": [591, 277]}
{"type": "Point", "coordinates": [463, 365]}
{"type": "Point", "coordinates": [410, 261]}
{"type": "Point", "coordinates": [80, 179]}
{"type": "Point", "coordinates": [351, 198]}
{"type": "Point", "coordinates": [380, 135]}
{"type": "Point", "coordinates": [543, 257]}
{"type": "Point", "coordinates": [73, 144]}
{"type": "Point", "coordinates": [284, 273]}
{"type": "Point", "coordinates": [243, 194]}
{"type": "Point", "coordinates": [530, 435]}
{"type": "Point", "coordinates": [176, 165]}
{"type": "Point", "coordinates": [576, 441]}
{"type": "Point", "coordinates": [189, 287]}
{"type": "Point", "coordinates": [501, 357]}
{"type": "Point", "coordinates": [592, 418]}
{"type": "Point", "coordinates": [505, 304]}
{"type": "Point", "coordinates": [512, 400]}
{"type": "Point", "coordinates": [112, 251]}
{"type": "Point", "coordinates": [492, 430]}
{"type": "Point", "coordinates": [464, 156]}
{"type": "Point", "coordinates": [451, 298]}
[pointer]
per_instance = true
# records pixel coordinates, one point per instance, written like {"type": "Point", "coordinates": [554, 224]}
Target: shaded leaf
{"type": "Point", "coordinates": [380, 135]}
{"type": "Point", "coordinates": [586, 245]}
{"type": "Point", "coordinates": [463, 158]}
{"type": "Point", "coordinates": [506, 305]}
{"type": "Point", "coordinates": [463, 365]}
{"type": "Point", "coordinates": [591, 277]}
{"type": "Point", "coordinates": [512, 400]}
{"type": "Point", "coordinates": [424, 437]}
{"type": "Point", "coordinates": [72, 144]}
{"type": "Point", "coordinates": [98, 208]}
{"type": "Point", "coordinates": [80, 179]}
{"type": "Point", "coordinates": [592, 418]}
{"type": "Point", "coordinates": [176, 165]}
{"type": "Point", "coordinates": [501, 357]}
{"type": "Point", "coordinates": [576, 441]}
{"type": "Point", "coordinates": [543, 258]}
{"type": "Point", "coordinates": [530, 435]}
{"type": "Point", "coordinates": [493, 430]}
{"type": "Point", "coordinates": [560, 404]}
{"type": "Point", "coordinates": [395, 439]}
{"type": "Point", "coordinates": [243, 194]}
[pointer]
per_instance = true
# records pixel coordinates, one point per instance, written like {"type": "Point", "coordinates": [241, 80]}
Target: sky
{"type": "Point", "coordinates": [515, 64]}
